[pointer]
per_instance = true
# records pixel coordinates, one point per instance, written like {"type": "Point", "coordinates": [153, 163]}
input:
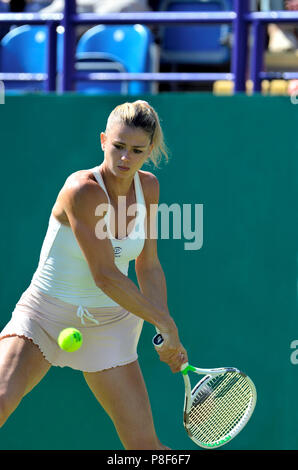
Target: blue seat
{"type": "Point", "coordinates": [114, 49]}
{"type": "Point", "coordinates": [129, 45]}
{"type": "Point", "coordinates": [103, 63]}
{"type": "Point", "coordinates": [36, 6]}
{"type": "Point", "coordinates": [24, 50]}
{"type": "Point", "coordinates": [193, 44]}
{"type": "Point", "coordinates": [4, 7]}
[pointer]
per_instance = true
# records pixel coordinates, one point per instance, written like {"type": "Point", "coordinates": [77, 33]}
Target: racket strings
{"type": "Point", "coordinates": [216, 413]}
{"type": "Point", "coordinates": [219, 406]}
{"type": "Point", "coordinates": [219, 420]}
{"type": "Point", "coordinates": [214, 429]}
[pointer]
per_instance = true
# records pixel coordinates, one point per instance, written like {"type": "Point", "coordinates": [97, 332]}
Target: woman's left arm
{"type": "Point", "coordinates": [151, 278]}
{"type": "Point", "coordinates": [149, 272]}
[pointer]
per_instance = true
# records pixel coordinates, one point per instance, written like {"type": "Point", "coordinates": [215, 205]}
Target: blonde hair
{"type": "Point", "coordinates": [141, 114]}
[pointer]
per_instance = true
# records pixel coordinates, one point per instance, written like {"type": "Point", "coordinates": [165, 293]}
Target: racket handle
{"type": "Point", "coordinates": [157, 342]}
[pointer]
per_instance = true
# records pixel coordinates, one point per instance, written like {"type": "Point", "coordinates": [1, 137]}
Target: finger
{"type": "Point", "coordinates": [175, 368]}
{"type": "Point", "coordinates": [180, 360]}
{"type": "Point", "coordinates": [175, 358]}
{"type": "Point", "coordinates": [176, 364]}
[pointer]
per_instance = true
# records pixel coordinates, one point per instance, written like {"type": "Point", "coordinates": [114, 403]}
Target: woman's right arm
{"type": "Point", "coordinates": [80, 199]}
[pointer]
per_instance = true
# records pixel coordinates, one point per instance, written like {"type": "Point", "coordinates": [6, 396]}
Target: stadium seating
{"type": "Point", "coordinates": [191, 44]}
{"type": "Point", "coordinates": [115, 48]}
{"type": "Point", "coordinates": [131, 46]}
{"type": "Point", "coordinates": [103, 48]}
{"type": "Point", "coordinates": [24, 50]}
{"type": "Point", "coordinates": [99, 62]}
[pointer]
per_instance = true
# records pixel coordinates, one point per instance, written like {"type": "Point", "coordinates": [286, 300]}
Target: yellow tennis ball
{"type": "Point", "coordinates": [70, 339]}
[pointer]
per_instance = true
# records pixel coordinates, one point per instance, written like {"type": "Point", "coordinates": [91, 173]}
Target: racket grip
{"type": "Point", "coordinates": [157, 340]}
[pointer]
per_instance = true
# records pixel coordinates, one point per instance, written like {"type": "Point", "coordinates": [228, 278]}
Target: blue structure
{"type": "Point", "coordinates": [97, 62]}
{"type": "Point", "coordinates": [239, 19]}
{"type": "Point", "coordinates": [195, 44]}
{"type": "Point", "coordinates": [129, 45]}
{"type": "Point", "coordinates": [24, 50]}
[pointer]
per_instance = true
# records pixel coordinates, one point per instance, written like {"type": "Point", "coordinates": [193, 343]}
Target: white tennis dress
{"type": "Point", "coordinates": [62, 293]}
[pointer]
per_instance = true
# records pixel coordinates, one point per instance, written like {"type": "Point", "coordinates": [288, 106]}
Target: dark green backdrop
{"type": "Point", "coordinates": [235, 299]}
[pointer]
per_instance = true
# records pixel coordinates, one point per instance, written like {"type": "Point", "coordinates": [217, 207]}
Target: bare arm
{"type": "Point", "coordinates": [152, 282]}
{"type": "Point", "coordinates": [149, 272]}
{"type": "Point", "coordinates": [81, 197]}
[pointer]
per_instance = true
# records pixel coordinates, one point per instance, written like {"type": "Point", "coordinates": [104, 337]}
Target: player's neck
{"type": "Point", "coordinates": [114, 185]}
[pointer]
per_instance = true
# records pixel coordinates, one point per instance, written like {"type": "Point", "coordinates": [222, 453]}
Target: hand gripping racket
{"type": "Point", "coordinates": [219, 406]}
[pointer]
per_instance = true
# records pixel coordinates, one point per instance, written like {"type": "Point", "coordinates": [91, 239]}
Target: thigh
{"type": "Point", "coordinates": [122, 393]}
{"type": "Point", "coordinates": [22, 366]}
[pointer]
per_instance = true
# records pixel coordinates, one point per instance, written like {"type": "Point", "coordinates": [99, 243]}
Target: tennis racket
{"type": "Point", "coordinates": [219, 406]}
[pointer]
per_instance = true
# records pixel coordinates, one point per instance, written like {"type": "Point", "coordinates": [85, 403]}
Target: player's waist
{"type": "Point", "coordinates": [76, 294]}
{"type": "Point", "coordinates": [54, 309]}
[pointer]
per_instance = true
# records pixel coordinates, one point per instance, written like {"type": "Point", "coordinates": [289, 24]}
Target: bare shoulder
{"type": "Point", "coordinates": [150, 185]}
{"type": "Point", "coordinates": [80, 191]}
{"type": "Point", "coordinates": [82, 186]}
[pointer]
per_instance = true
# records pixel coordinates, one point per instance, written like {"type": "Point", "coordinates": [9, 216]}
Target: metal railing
{"type": "Point", "coordinates": [51, 21]}
{"type": "Point", "coordinates": [240, 19]}
{"type": "Point", "coordinates": [259, 21]}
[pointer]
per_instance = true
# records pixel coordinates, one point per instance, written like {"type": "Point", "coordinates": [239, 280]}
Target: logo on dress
{"type": "Point", "coordinates": [117, 251]}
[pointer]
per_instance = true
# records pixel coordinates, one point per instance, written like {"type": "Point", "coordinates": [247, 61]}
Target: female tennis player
{"type": "Point", "coordinates": [81, 281]}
